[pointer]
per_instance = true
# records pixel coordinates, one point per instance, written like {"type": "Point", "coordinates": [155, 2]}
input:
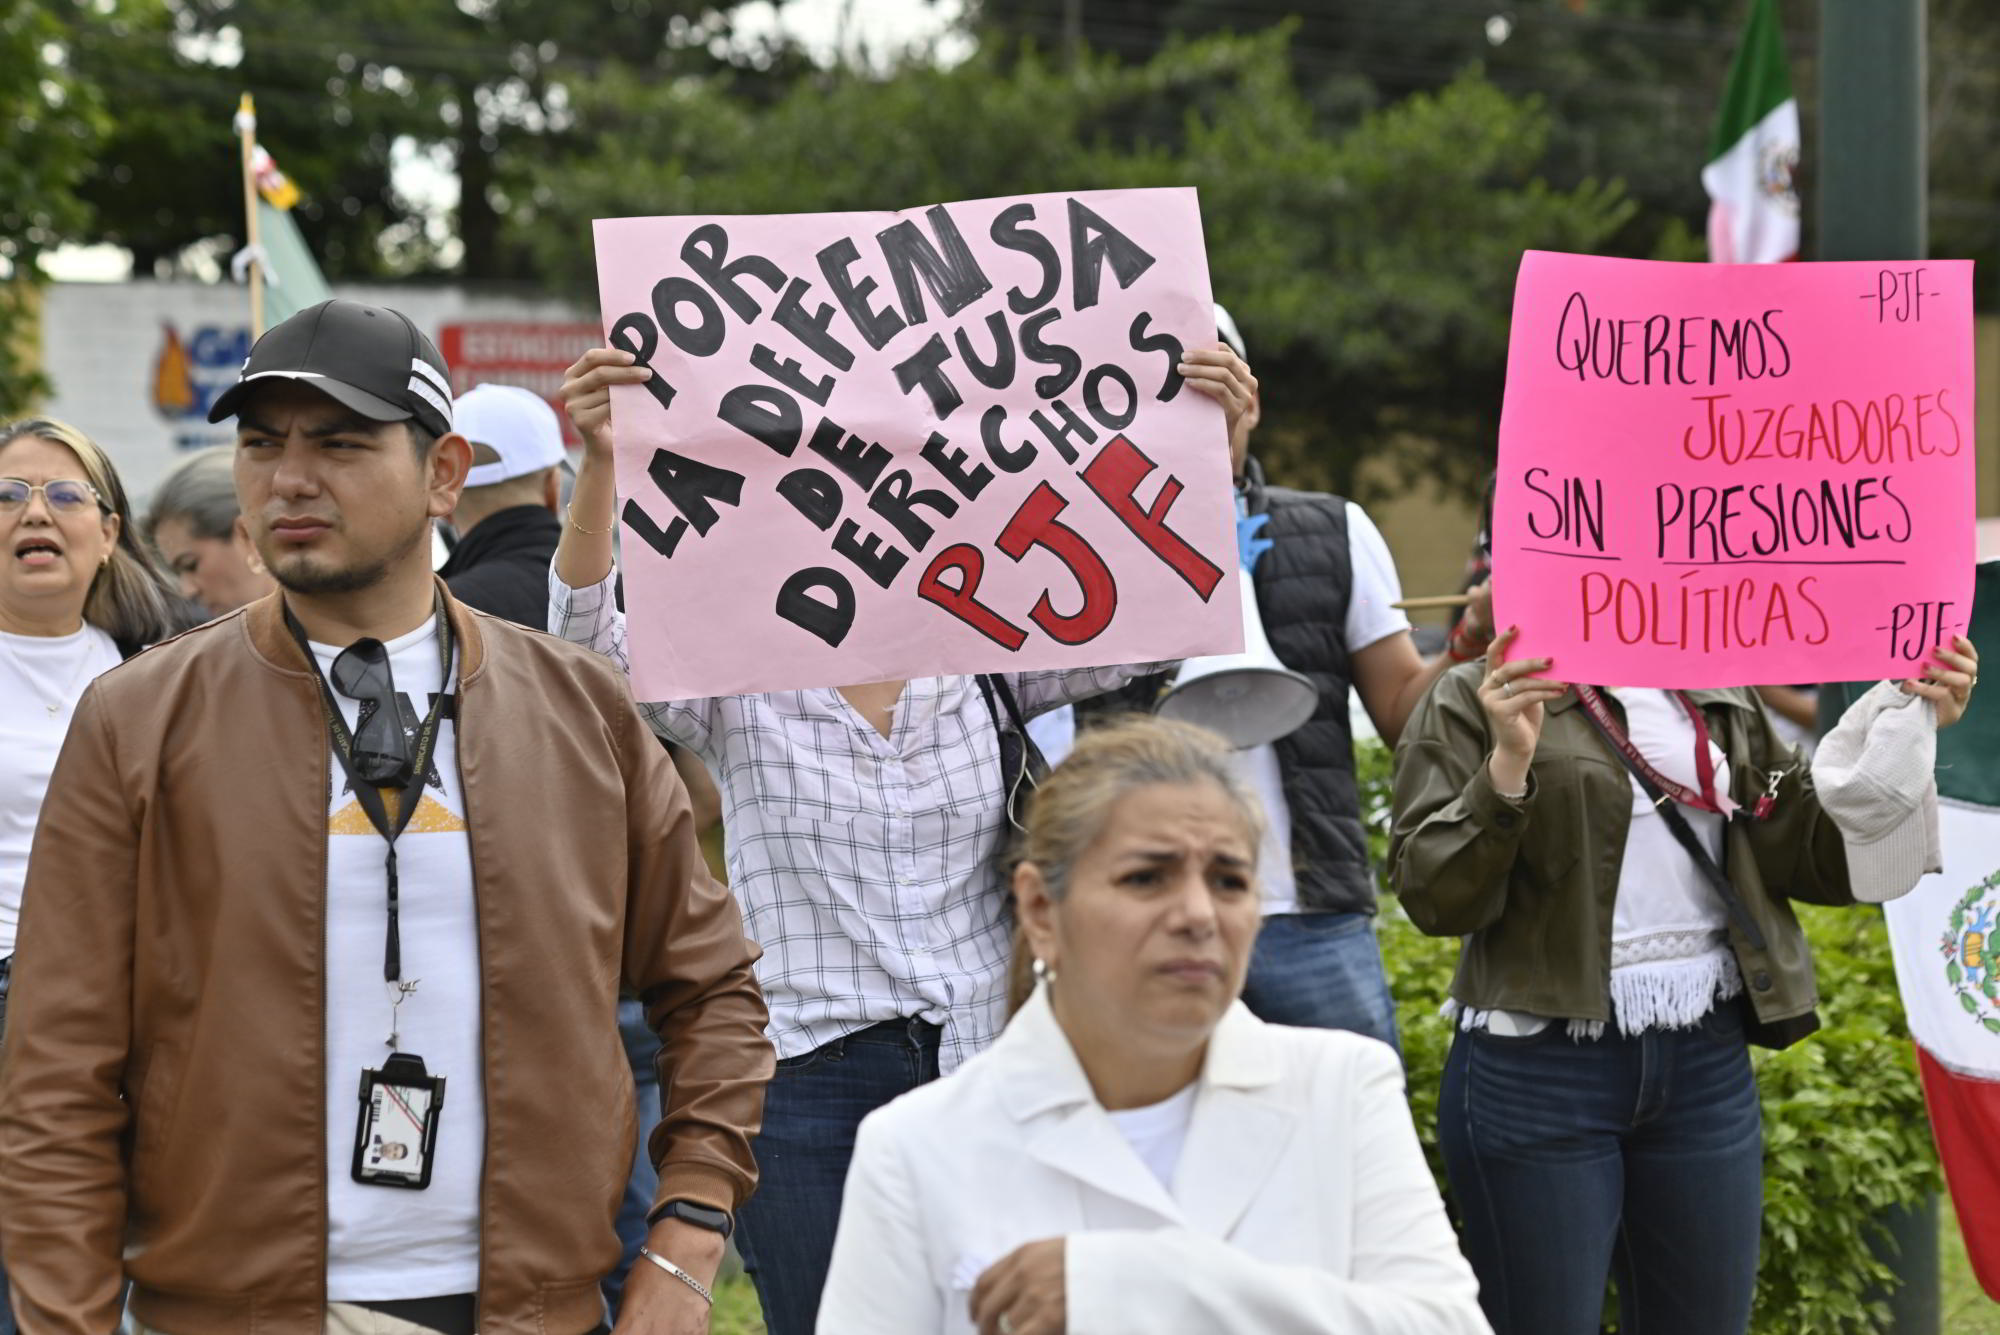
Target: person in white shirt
{"type": "Point", "coordinates": [77, 594]}
{"type": "Point", "coordinates": [862, 823]}
{"type": "Point", "coordinates": [1138, 1153]}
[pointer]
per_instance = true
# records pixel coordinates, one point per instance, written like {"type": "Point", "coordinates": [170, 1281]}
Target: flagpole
{"type": "Point", "coordinates": [246, 130]}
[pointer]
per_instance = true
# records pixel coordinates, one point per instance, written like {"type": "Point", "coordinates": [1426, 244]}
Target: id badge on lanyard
{"type": "Point", "coordinates": [396, 1130]}
{"type": "Point", "coordinates": [395, 1138]}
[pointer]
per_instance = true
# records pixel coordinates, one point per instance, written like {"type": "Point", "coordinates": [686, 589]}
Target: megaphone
{"type": "Point", "coordinates": [1251, 698]}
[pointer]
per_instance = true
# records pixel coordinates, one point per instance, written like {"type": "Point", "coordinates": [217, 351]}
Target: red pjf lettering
{"type": "Point", "coordinates": [962, 602]}
{"type": "Point", "coordinates": [1598, 605]}
{"type": "Point", "coordinates": [1035, 525]}
{"type": "Point", "coordinates": [1115, 474]}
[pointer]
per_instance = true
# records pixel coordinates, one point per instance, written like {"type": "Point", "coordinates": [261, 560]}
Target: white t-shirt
{"type": "Point", "coordinates": [386, 1242]}
{"type": "Point", "coordinates": [1157, 1132]}
{"type": "Point", "coordinates": [1371, 616]}
{"type": "Point", "coordinates": [1670, 956]}
{"type": "Point", "coordinates": [41, 679]}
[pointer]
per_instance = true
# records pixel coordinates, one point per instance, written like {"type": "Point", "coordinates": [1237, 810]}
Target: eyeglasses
{"type": "Point", "coordinates": [64, 496]}
{"type": "Point", "coordinates": [381, 748]}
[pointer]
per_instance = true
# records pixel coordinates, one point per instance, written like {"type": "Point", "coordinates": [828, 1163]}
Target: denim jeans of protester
{"type": "Point", "coordinates": [812, 1109]}
{"type": "Point", "coordinates": [1637, 1157]}
{"type": "Point", "coordinates": [641, 1047]}
{"type": "Point", "coordinates": [1321, 971]}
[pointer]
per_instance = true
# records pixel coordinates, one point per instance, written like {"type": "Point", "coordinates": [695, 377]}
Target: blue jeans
{"type": "Point", "coordinates": [812, 1109]}
{"type": "Point", "coordinates": [1321, 971]}
{"type": "Point", "coordinates": [641, 1045]}
{"type": "Point", "coordinates": [1634, 1158]}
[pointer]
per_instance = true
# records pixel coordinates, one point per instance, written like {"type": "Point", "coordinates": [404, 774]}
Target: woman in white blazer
{"type": "Point", "coordinates": [1137, 1152]}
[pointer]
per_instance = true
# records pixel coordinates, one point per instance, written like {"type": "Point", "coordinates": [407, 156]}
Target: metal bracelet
{"type": "Point", "coordinates": [679, 1274]}
{"type": "Point", "coordinates": [593, 532]}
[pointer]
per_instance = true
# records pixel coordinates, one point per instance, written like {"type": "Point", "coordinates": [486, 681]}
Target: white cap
{"type": "Point", "coordinates": [1876, 775]}
{"type": "Point", "coordinates": [516, 425]}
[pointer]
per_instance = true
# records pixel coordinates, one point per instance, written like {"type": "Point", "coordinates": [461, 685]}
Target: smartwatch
{"type": "Point", "coordinates": [701, 1216]}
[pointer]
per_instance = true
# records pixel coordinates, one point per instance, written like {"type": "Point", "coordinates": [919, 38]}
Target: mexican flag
{"type": "Point", "coordinates": [1946, 938]}
{"type": "Point", "coordinates": [1753, 212]}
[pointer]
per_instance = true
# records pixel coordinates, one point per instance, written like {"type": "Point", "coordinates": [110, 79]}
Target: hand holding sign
{"type": "Point", "coordinates": [877, 446]}
{"type": "Point", "coordinates": [1713, 475]}
{"type": "Point", "coordinates": [1514, 698]}
{"type": "Point", "coordinates": [586, 394]}
{"type": "Point", "coordinates": [1219, 373]}
{"type": "Point", "coordinates": [1948, 682]}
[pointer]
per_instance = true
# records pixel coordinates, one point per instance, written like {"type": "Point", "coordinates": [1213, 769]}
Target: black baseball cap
{"type": "Point", "coordinates": [368, 358]}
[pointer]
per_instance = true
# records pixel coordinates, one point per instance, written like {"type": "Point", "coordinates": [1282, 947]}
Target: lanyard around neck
{"type": "Point", "coordinates": [1706, 799]}
{"type": "Point", "coordinates": [373, 800]}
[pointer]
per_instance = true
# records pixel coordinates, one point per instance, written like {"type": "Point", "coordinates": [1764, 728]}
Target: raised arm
{"type": "Point", "coordinates": [585, 555]}
{"type": "Point", "coordinates": [582, 605]}
{"type": "Point", "coordinates": [63, 1065]}
{"type": "Point", "coordinates": [1039, 692]}
{"type": "Point", "coordinates": [1463, 797]}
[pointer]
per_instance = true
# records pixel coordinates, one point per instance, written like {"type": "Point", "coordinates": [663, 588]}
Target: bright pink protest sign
{"type": "Point", "coordinates": [947, 440]}
{"type": "Point", "coordinates": [1736, 474]}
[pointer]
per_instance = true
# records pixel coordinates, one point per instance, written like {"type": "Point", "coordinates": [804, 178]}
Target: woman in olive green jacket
{"type": "Point", "coordinates": [1598, 1114]}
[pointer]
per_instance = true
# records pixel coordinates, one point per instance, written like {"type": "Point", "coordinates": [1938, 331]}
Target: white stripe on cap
{"type": "Point", "coordinates": [432, 374]}
{"type": "Point", "coordinates": [422, 390]}
{"type": "Point", "coordinates": [289, 375]}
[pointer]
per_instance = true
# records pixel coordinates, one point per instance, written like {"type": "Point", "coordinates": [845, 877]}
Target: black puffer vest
{"type": "Point", "coordinates": [1303, 585]}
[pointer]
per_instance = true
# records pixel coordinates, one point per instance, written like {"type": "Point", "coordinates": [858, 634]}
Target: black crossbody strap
{"type": "Point", "coordinates": [1021, 761]}
{"type": "Point", "coordinates": [1704, 861]}
{"type": "Point", "coordinates": [1037, 763]}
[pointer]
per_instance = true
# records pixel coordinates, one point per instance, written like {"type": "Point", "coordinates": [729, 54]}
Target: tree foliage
{"type": "Point", "coordinates": [1632, 86]}
{"type": "Point", "coordinates": [1371, 268]}
{"type": "Point", "coordinates": [50, 124]}
{"type": "Point", "coordinates": [339, 89]}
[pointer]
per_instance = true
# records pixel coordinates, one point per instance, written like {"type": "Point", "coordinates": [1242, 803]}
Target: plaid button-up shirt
{"type": "Point", "coordinates": [864, 864]}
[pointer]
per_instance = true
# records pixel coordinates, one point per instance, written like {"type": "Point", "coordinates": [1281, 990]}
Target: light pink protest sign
{"type": "Point", "coordinates": [943, 440]}
{"type": "Point", "coordinates": [1727, 475]}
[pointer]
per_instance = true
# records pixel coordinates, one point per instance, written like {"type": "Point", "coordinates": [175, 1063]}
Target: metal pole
{"type": "Point", "coordinates": [1873, 175]}
{"type": "Point", "coordinates": [1874, 149]}
{"type": "Point", "coordinates": [1072, 32]}
{"type": "Point", "coordinates": [246, 130]}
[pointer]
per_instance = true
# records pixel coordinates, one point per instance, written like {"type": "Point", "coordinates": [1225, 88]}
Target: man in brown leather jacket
{"type": "Point", "coordinates": [313, 1022]}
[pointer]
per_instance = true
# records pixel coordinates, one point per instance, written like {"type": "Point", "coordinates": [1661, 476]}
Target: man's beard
{"type": "Point", "coordinates": [299, 573]}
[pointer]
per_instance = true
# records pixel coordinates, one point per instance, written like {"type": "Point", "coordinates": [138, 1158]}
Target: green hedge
{"type": "Point", "coordinates": [1845, 1133]}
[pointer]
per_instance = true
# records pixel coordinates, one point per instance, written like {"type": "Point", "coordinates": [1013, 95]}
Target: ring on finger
{"type": "Point", "coordinates": [1507, 688]}
{"type": "Point", "coordinates": [1006, 1324]}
